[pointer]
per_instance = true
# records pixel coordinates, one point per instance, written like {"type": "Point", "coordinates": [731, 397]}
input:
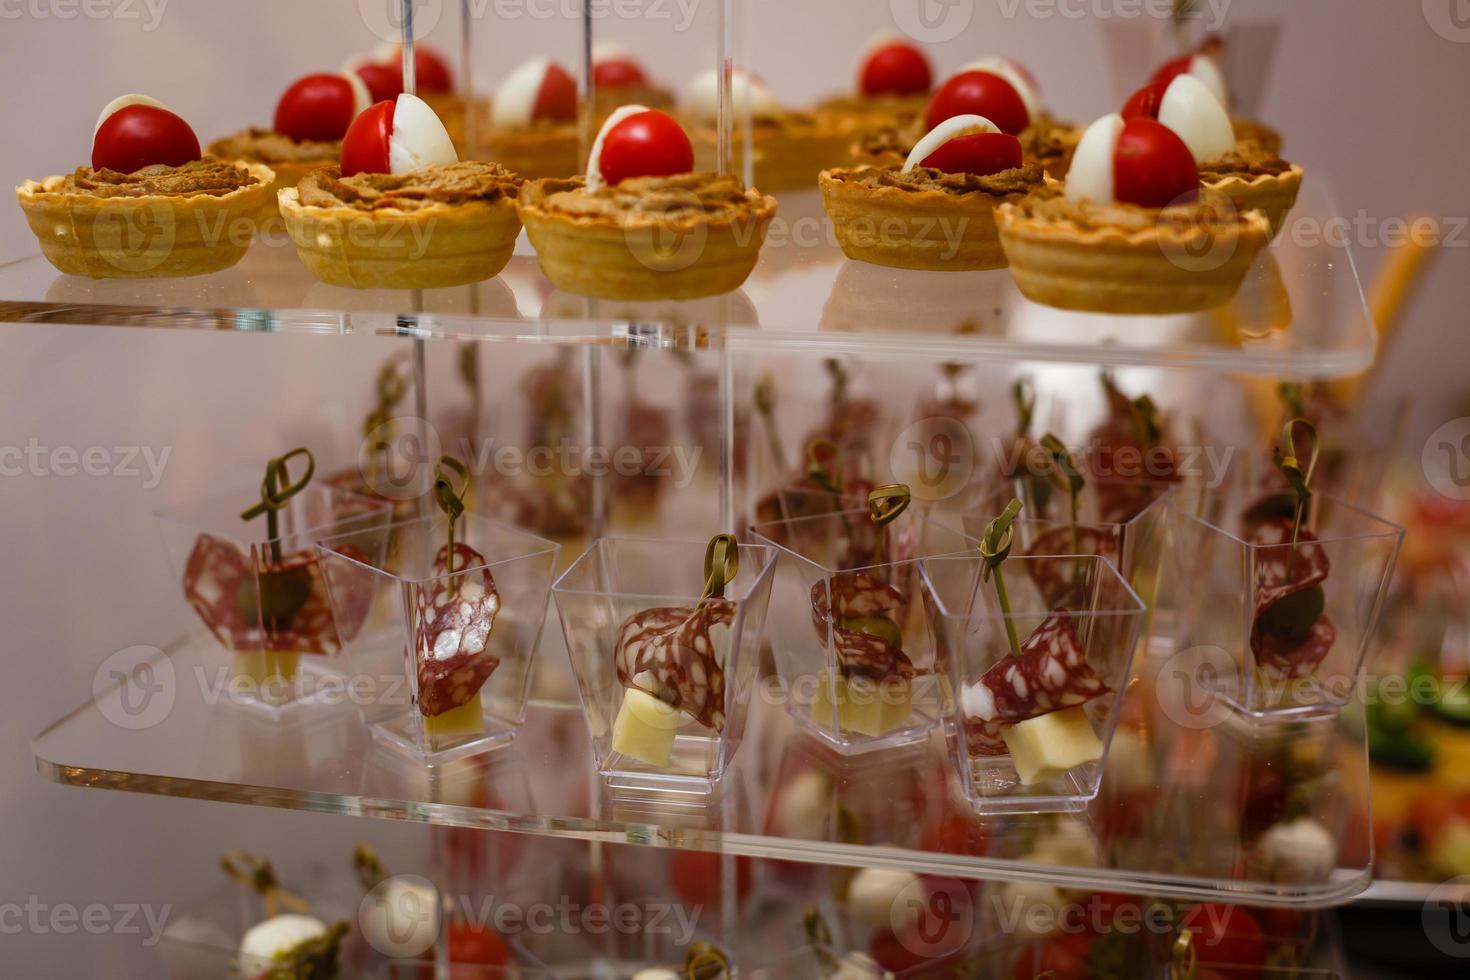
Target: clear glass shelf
{"type": "Point", "coordinates": [1300, 313]}
{"type": "Point", "coordinates": [1182, 813]}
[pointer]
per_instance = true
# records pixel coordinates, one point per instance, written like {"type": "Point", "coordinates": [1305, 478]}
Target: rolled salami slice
{"type": "Point", "coordinates": [452, 632]}
{"type": "Point", "coordinates": [1290, 634]}
{"type": "Point", "coordinates": [1054, 575]}
{"type": "Point", "coordinates": [863, 614]}
{"type": "Point", "coordinates": [1050, 674]}
{"type": "Point", "coordinates": [281, 607]}
{"type": "Point", "coordinates": [671, 653]}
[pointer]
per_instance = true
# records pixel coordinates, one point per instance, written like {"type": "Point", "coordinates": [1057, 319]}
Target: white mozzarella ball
{"type": "Point", "coordinates": [703, 98]}
{"type": "Point", "coordinates": [419, 139]}
{"type": "Point", "coordinates": [1196, 116]}
{"type": "Point", "coordinates": [514, 103]}
{"type": "Point", "coordinates": [275, 937]}
{"type": "Point", "coordinates": [1090, 177]}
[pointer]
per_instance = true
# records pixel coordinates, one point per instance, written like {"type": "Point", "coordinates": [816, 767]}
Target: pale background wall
{"type": "Point", "coordinates": [1367, 92]}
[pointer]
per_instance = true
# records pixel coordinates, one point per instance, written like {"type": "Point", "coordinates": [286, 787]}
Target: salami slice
{"type": "Point", "coordinates": [1055, 576]}
{"type": "Point", "coordinates": [282, 608]}
{"type": "Point", "coordinates": [672, 654]}
{"type": "Point", "coordinates": [1050, 674]}
{"type": "Point", "coordinates": [862, 609]}
{"type": "Point", "coordinates": [452, 632]}
{"type": "Point", "coordinates": [1290, 634]}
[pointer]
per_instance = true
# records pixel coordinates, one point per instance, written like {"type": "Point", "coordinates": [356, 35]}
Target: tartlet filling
{"type": "Point", "coordinates": [264, 146]}
{"type": "Point", "coordinates": [457, 183]}
{"type": "Point", "coordinates": [1019, 180]}
{"type": "Point", "coordinates": [1045, 141]}
{"type": "Point", "coordinates": [1050, 205]}
{"type": "Point", "coordinates": [1248, 160]}
{"type": "Point", "coordinates": [214, 178]}
{"type": "Point", "coordinates": [682, 194]}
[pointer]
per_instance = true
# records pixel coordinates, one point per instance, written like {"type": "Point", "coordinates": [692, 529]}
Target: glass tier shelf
{"type": "Point", "coordinates": [1300, 313]}
{"type": "Point", "coordinates": [1182, 812]}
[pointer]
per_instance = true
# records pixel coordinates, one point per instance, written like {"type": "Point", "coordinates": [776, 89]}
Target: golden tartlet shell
{"type": "Point", "coordinates": [151, 236]}
{"type": "Point", "coordinates": [642, 255]}
{"type": "Point", "coordinates": [536, 152]}
{"type": "Point", "coordinates": [937, 230]}
{"type": "Point", "coordinates": [430, 247]}
{"type": "Point", "coordinates": [1157, 269]}
{"type": "Point", "coordinates": [1274, 195]}
{"type": "Point", "coordinates": [788, 154]}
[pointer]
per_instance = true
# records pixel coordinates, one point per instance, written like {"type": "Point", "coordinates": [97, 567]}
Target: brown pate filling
{"type": "Point", "coordinates": [1049, 204]}
{"type": "Point", "coordinates": [457, 183]}
{"type": "Point", "coordinates": [214, 178]}
{"type": "Point", "coordinates": [1248, 160]}
{"type": "Point", "coordinates": [264, 146]}
{"type": "Point", "coordinates": [681, 194]}
{"type": "Point", "coordinates": [1018, 180]}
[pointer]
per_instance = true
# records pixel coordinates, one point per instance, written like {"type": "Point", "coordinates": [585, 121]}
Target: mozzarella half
{"type": "Point", "coordinates": [1007, 70]}
{"type": "Point", "coordinates": [361, 97]}
{"type": "Point", "coordinates": [746, 93]}
{"type": "Point", "coordinates": [419, 139]}
{"type": "Point", "coordinates": [275, 937]}
{"type": "Point", "coordinates": [1207, 70]}
{"type": "Point", "coordinates": [594, 161]}
{"type": "Point", "coordinates": [609, 51]}
{"type": "Point", "coordinates": [514, 103]}
{"type": "Point", "coordinates": [122, 102]}
{"type": "Point", "coordinates": [1191, 110]}
{"type": "Point", "coordinates": [951, 128]}
{"type": "Point", "coordinates": [1090, 177]}
{"type": "Point", "coordinates": [400, 916]}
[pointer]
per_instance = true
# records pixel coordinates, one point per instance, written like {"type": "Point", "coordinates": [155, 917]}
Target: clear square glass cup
{"type": "Point", "coordinates": [450, 676]}
{"type": "Point", "coordinates": [643, 743]}
{"type": "Point", "coordinates": [265, 600]}
{"type": "Point", "coordinates": [1032, 737]}
{"type": "Point", "coordinates": [856, 694]}
{"type": "Point", "coordinates": [1274, 630]}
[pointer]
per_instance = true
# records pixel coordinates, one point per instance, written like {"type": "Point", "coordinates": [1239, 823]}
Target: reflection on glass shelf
{"type": "Point", "coordinates": [1300, 311]}
{"type": "Point", "coordinates": [1190, 806]}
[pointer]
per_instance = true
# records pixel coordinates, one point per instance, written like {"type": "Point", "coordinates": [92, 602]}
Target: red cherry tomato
{"type": "Point", "coordinates": [980, 93]}
{"type": "Point", "coordinates": [979, 154]}
{"type": "Point", "coordinates": [431, 72]}
{"type": "Point", "coordinates": [896, 69]}
{"type": "Point", "coordinates": [557, 97]}
{"type": "Point", "coordinates": [365, 147]}
{"type": "Point", "coordinates": [384, 83]}
{"type": "Point", "coordinates": [646, 144]}
{"type": "Point", "coordinates": [1146, 101]}
{"type": "Point", "coordinates": [317, 107]}
{"type": "Point", "coordinates": [1228, 940]}
{"type": "Point", "coordinates": [1062, 956]}
{"type": "Point", "coordinates": [139, 136]}
{"type": "Point", "coordinates": [471, 944]}
{"type": "Point", "coordinates": [618, 73]}
{"type": "Point", "coordinates": [1171, 70]}
{"type": "Point", "coordinates": [695, 876]}
{"type": "Point", "coordinates": [1151, 165]}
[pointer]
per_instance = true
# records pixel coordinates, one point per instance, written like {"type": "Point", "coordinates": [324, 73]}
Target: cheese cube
{"type": "Point", "coordinates": [645, 728]}
{"type": "Point", "coordinates": [1052, 744]}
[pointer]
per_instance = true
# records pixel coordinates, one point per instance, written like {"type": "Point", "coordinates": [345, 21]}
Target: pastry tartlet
{"type": "Point", "coordinates": [533, 122]}
{"type": "Point", "coordinates": [1174, 248]}
{"type": "Point", "coordinates": [619, 79]}
{"type": "Point", "coordinates": [438, 226]}
{"type": "Point", "coordinates": [931, 213]}
{"type": "Point", "coordinates": [789, 148]}
{"type": "Point", "coordinates": [678, 237]}
{"type": "Point", "coordinates": [311, 119]}
{"type": "Point", "coordinates": [1250, 176]}
{"type": "Point", "coordinates": [149, 206]}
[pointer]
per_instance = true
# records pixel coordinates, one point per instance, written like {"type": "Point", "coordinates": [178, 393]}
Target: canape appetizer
{"type": "Point", "coordinates": [286, 945]}
{"type": "Point", "coordinates": [1130, 231]}
{"type": "Point", "coordinates": [533, 121]}
{"type": "Point", "coordinates": [311, 118]}
{"type": "Point", "coordinates": [620, 79]}
{"type": "Point", "coordinates": [642, 224]}
{"type": "Point", "coordinates": [936, 211]}
{"type": "Point", "coordinates": [671, 663]}
{"type": "Point", "coordinates": [147, 172]}
{"type": "Point", "coordinates": [790, 147]}
{"type": "Point", "coordinates": [1030, 705]}
{"type": "Point", "coordinates": [1251, 176]}
{"type": "Point", "coordinates": [401, 211]}
{"type": "Point", "coordinates": [1204, 64]}
{"type": "Point", "coordinates": [894, 78]}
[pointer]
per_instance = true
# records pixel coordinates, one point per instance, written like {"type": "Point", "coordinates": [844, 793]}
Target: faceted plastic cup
{"type": "Point", "coordinates": [265, 600]}
{"type": "Point", "coordinates": [634, 618]}
{"type": "Point", "coordinates": [1030, 733]}
{"type": "Point", "coordinates": [454, 679]}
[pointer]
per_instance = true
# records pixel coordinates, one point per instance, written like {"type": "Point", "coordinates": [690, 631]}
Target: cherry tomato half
{"type": "Point", "coordinates": [645, 144]}
{"type": "Point", "coordinates": [980, 93]}
{"type": "Point", "coordinates": [317, 107]}
{"type": "Point", "coordinates": [978, 153]}
{"type": "Point", "coordinates": [557, 97]}
{"type": "Point", "coordinates": [139, 136]}
{"type": "Point", "coordinates": [365, 147]}
{"type": "Point", "coordinates": [1151, 165]}
{"type": "Point", "coordinates": [618, 73]}
{"type": "Point", "coordinates": [896, 69]}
